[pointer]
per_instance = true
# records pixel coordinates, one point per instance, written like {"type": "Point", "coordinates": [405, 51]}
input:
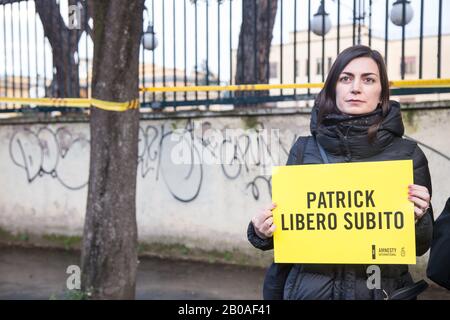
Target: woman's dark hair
{"type": "Point", "coordinates": [326, 100]}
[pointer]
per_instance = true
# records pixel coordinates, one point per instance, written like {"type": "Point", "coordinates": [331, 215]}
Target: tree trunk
{"type": "Point", "coordinates": [254, 44]}
{"type": "Point", "coordinates": [109, 253]}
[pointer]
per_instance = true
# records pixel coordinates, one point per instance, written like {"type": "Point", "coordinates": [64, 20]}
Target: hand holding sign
{"type": "Point", "coordinates": [420, 196]}
{"type": "Point", "coordinates": [263, 222]}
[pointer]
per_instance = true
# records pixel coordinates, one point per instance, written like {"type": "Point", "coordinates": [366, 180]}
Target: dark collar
{"type": "Point", "coordinates": [344, 135]}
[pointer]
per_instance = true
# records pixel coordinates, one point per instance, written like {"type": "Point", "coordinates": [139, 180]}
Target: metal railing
{"type": "Point", "coordinates": [47, 48]}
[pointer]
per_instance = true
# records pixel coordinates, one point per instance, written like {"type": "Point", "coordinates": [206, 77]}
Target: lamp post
{"type": "Point", "coordinates": [321, 23]}
{"type": "Point", "coordinates": [150, 40]}
{"type": "Point", "coordinates": [401, 12]}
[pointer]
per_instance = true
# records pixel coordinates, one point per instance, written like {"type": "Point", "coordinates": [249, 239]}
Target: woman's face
{"type": "Point", "coordinates": [358, 89]}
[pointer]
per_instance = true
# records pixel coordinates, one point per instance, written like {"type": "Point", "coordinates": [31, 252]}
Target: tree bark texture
{"type": "Point", "coordinates": [109, 253]}
{"type": "Point", "coordinates": [255, 39]}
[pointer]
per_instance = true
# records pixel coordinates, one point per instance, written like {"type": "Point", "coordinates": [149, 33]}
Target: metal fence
{"type": "Point", "coordinates": [47, 48]}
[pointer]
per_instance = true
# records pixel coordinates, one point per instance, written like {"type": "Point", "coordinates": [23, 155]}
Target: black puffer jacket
{"type": "Point", "coordinates": [345, 139]}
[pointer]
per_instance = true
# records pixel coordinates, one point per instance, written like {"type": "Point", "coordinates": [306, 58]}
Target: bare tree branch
{"type": "Point", "coordinates": [64, 43]}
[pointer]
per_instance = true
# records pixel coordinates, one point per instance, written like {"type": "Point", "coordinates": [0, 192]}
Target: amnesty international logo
{"type": "Point", "coordinates": [387, 252]}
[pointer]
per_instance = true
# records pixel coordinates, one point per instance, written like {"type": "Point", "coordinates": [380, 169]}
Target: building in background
{"type": "Point", "coordinates": [282, 67]}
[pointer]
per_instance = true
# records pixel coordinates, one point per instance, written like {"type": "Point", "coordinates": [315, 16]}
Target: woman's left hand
{"type": "Point", "coordinates": [420, 196]}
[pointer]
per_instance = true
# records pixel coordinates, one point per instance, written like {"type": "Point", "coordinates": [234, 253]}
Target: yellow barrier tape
{"type": "Point", "coordinates": [134, 104]}
{"type": "Point", "coordinates": [241, 87]}
{"type": "Point", "coordinates": [50, 102]}
{"type": "Point", "coordinates": [74, 103]}
{"type": "Point", "coordinates": [115, 106]}
{"type": "Point", "coordinates": [420, 83]}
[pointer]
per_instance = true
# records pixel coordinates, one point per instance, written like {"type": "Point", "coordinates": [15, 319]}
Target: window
{"type": "Point", "coordinates": [410, 65]}
{"type": "Point", "coordinates": [319, 66]}
{"type": "Point", "coordinates": [330, 63]}
{"type": "Point", "coordinates": [273, 70]}
{"type": "Point", "coordinates": [297, 68]}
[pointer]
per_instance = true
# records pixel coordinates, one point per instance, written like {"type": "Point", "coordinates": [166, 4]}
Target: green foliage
{"type": "Point", "coordinates": [9, 236]}
{"type": "Point", "coordinates": [69, 242]}
{"type": "Point", "coordinates": [250, 122]}
{"type": "Point", "coordinates": [23, 237]}
{"type": "Point", "coordinates": [76, 295]}
{"type": "Point", "coordinates": [410, 120]}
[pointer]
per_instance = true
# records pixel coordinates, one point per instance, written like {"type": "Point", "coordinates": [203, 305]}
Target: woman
{"type": "Point", "coordinates": [352, 120]}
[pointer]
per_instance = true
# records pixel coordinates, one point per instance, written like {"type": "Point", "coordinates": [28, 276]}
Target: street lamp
{"type": "Point", "coordinates": [149, 38]}
{"type": "Point", "coordinates": [397, 12]}
{"type": "Point", "coordinates": [318, 23]}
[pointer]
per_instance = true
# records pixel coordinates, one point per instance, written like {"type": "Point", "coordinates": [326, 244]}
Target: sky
{"type": "Point", "coordinates": [13, 20]}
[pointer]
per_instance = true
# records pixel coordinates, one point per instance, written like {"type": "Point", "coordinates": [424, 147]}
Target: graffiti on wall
{"type": "Point", "coordinates": [244, 154]}
{"type": "Point", "coordinates": [178, 156]}
{"type": "Point", "coordinates": [55, 153]}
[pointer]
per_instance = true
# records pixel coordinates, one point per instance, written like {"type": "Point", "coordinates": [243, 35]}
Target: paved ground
{"type": "Point", "coordinates": [40, 274]}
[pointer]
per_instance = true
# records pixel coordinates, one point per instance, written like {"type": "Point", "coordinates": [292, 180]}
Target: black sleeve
{"type": "Point", "coordinates": [424, 227]}
{"type": "Point", "coordinates": [267, 244]}
{"type": "Point", "coordinates": [257, 242]}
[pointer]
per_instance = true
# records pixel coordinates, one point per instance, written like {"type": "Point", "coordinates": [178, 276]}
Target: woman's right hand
{"type": "Point", "coordinates": [263, 222]}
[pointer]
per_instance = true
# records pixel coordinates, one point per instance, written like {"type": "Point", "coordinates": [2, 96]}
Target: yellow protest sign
{"type": "Point", "coordinates": [356, 213]}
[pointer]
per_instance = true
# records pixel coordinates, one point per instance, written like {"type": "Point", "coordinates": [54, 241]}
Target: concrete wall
{"type": "Point", "coordinates": [44, 173]}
